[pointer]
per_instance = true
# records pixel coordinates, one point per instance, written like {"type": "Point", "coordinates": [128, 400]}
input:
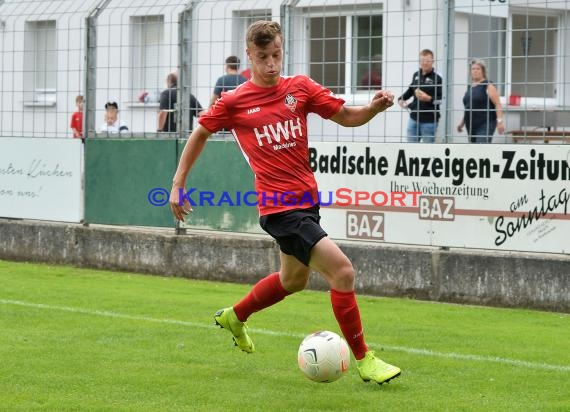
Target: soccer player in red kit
{"type": "Point", "coordinates": [267, 116]}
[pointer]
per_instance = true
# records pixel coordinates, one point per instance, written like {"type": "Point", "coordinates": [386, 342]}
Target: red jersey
{"type": "Point", "coordinates": [270, 127]}
{"type": "Point", "coordinates": [77, 123]}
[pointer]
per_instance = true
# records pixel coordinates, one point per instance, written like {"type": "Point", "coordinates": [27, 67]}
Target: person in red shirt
{"type": "Point", "coordinates": [267, 116]}
{"type": "Point", "coordinates": [246, 73]}
{"type": "Point", "coordinates": [77, 118]}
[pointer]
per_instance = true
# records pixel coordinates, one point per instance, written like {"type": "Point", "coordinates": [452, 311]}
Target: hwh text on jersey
{"type": "Point", "coordinates": [274, 132]}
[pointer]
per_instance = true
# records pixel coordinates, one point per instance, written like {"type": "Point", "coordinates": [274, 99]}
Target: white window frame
{"type": "Point", "coordinates": [500, 78]}
{"type": "Point", "coordinates": [538, 102]}
{"type": "Point", "coordinates": [351, 94]}
{"type": "Point", "coordinates": [353, 88]}
{"type": "Point", "coordinates": [140, 79]}
{"type": "Point", "coordinates": [40, 93]}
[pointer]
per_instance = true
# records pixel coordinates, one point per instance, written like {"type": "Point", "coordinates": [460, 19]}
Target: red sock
{"type": "Point", "coordinates": [268, 291]}
{"type": "Point", "coordinates": [347, 315]}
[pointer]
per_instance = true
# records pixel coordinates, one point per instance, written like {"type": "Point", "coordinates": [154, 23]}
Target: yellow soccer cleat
{"type": "Point", "coordinates": [374, 369]}
{"type": "Point", "coordinates": [226, 319]}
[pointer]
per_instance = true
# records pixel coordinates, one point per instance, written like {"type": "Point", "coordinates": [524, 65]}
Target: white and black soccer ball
{"type": "Point", "coordinates": [323, 356]}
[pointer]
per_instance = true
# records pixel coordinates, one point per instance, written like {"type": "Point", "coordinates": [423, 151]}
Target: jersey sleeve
{"type": "Point", "coordinates": [321, 100]}
{"type": "Point", "coordinates": [217, 117]}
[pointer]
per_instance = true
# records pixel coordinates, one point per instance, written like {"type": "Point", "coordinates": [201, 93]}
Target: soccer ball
{"type": "Point", "coordinates": [323, 356]}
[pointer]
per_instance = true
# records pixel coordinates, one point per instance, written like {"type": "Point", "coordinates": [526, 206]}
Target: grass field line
{"type": "Point", "coordinates": [415, 351]}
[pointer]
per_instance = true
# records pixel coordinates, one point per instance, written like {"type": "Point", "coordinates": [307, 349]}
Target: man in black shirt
{"type": "Point", "coordinates": [167, 107]}
{"type": "Point", "coordinates": [424, 108]}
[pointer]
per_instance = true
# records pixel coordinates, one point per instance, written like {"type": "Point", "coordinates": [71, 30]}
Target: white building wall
{"type": "Point", "coordinates": [409, 26]}
{"type": "Point", "coordinates": [17, 116]}
{"type": "Point", "coordinates": [114, 71]}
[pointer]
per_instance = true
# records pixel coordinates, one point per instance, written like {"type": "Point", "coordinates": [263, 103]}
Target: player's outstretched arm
{"type": "Point", "coordinates": [191, 152]}
{"type": "Point", "coordinates": [352, 116]}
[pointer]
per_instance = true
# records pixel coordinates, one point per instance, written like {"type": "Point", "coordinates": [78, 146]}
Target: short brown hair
{"type": "Point", "coordinates": [172, 79]}
{"type": "Point", "coordinates": [262, 32]}
{"type": "Point", "coordinates": [426, 52]}
{"type": "Point", "coordinates": [232, 62]}
{"type": "Point", "coordinates": [79, 98]}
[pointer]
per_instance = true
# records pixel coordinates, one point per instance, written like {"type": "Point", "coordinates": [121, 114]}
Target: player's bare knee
{"type": "Point", "coordinates": [344, 276]}
{"type": "Point", "coordinates": [295, 282]}
{"type": "Point", "coordinates": [295, 285]}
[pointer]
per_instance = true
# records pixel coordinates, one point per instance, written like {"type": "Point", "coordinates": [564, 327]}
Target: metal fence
{"type": "Point", "coordinates": [123, 51]}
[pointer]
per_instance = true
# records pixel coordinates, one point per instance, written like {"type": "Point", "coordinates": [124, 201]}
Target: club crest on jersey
{"type": "Point", "coordinates": [290, 102]}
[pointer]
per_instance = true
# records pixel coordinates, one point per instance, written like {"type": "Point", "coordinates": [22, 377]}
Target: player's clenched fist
{"type": "Point", "coordinates": [382, 100]}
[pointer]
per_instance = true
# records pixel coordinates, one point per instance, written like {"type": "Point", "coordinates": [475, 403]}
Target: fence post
{"type": "Point", "coordinates": [448, 28]}
{"type": "Point", "coordinates": [91, 68]}
{"type": "Point", "coordinates": [185, 72]}
{"type": "Point", "coordinates": [286, 16]}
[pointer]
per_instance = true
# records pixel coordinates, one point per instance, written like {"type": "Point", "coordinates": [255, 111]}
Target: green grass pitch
{"type": "Point", "coordinates": [86, 340]}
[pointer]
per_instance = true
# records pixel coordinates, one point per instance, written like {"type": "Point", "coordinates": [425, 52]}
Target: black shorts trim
{"type": "Point", "coordinates": [295, 231]}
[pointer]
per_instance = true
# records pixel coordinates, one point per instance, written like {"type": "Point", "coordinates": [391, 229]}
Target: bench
{"type": "Point", "coordinates": [545, 136]}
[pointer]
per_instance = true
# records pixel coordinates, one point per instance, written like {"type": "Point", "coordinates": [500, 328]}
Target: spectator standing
{"type": "Point", "coordinates": [167, 107]}
{"type": "Point", "coordinates": [426, 91]}
{"type": "Point", "coordinates": [483, 110]}
{"type": "Point", "coordinates": [228, 81]}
